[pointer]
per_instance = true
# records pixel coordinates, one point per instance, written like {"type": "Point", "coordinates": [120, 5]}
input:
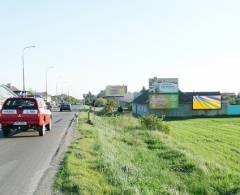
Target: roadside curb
{"type": "Point", "coordinates": [45, 185]}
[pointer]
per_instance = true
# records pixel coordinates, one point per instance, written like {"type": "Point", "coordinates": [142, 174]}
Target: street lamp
{"type": "Point", "coordinates": [48, 68]}
{"type": "Point", "coordinates": [28, 47]}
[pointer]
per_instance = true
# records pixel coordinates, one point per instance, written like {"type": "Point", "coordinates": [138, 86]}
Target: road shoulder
{"type": "Point", "coordinates": [46, 183]}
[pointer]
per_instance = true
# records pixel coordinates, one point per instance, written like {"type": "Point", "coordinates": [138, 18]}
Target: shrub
{"type": "Point", "coordinates": [120, 109]}
{"type": "Point", "coordinates": [100, 102]}
{"type": "Point", "coordinates": [152, 122]}
{"type": "Point", "coordinates": [110, 105]}
{"type": "Point", "coordinates": [129, 107]}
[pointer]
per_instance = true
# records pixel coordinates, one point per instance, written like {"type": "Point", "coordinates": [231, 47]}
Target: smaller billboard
{"type": "Point", "coordinates": [163, 85]}
{"type": "Point", "coordinates": [163, 101]}
{"type": "Point", "coordinates": [212, 102]}
{"type": "Point", "coordinates": [115, 91]}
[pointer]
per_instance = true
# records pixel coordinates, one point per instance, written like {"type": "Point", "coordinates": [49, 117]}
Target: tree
{"type": "Point", "coordinates": [100, 102]}
{"type": "Point", "coordinates": [143, 89]}
{"type": "Point", "coordinates": [110, 105]}
{"type": "Point", "coordinates": [89, 99]}
{"type": "Point", "coordinates": [30, 92]}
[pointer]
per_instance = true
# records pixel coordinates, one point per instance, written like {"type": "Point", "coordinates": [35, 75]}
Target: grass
{"type": "Point", "coordinates": [117, 156]}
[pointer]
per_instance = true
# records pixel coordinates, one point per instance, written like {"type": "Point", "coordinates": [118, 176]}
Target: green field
{"type": "Point", "coordinates": [117, 156]}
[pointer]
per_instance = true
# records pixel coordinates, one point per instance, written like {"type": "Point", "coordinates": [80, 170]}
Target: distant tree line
{"type": "Point", "coordinates": [233, 100]}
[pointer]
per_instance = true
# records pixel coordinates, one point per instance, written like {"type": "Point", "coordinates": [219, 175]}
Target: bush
{"type": "Point", "coordinates": [110, 105]}
{"type": "Point", "coordinates": [120, 109]}
{"type": "Point", "coordinates": [152, 122]}
{"type": "Point", "coordinates": [129, 107]}
{"type": "Point", "coordinates": [100, 102]}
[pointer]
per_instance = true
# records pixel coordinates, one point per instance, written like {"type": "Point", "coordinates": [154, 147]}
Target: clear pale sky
{"type": "Point", "coordinates": [97, 43]}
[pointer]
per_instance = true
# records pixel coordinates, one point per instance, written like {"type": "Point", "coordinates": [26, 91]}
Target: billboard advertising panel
{"type": "Point", "coordinates": [212, 102]}
{"type": "Point", "coordinates": [163, 101]}
{"type": "Point", "coordinates": [115, 91]}
{"type": "Point", "coordinates": [163, 85]}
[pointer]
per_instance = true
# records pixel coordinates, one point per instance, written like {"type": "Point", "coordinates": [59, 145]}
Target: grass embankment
{"type": "Point", "coordinates": [117, 156]}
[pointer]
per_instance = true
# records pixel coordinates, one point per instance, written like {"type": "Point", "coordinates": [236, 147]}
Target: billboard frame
{"type": "Point", "coordinates": [217, 109]}
{"type": "Point", "coordinates": [163, 94]}
{"type": "Point", "coordinates": [155, 85]}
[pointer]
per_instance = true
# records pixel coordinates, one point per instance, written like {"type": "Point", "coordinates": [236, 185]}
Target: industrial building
{"type": "Point", "coordinates": [167, 100]}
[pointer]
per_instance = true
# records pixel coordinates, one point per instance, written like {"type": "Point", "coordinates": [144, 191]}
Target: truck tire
{"type": "Point", "coordinates": [49, 126]}
{"type": "Point", "coordinates": [42, 130]}
{"type": "Point", "coordinates": [6, 131]}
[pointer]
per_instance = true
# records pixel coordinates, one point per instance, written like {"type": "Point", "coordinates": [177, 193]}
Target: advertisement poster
{"type": "Point", "coordinates": [160, 85]}
{"type": "Point", "coordinates": [115, 91]}
{"type": "Point", "coordinates": [163, 101]}
{"type": "Point", "coordinates": [207, 102]}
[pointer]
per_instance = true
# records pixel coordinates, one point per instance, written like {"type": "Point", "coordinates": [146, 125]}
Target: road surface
{"type": "Point", "coordinates": [25, 156]}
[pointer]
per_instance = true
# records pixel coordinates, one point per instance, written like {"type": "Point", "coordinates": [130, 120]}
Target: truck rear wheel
{"type": "Point", "coordinates": [6, 131]}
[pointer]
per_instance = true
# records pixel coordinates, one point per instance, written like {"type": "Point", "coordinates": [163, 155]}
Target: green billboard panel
{"type": "Point", "coordinates": [163, 101]}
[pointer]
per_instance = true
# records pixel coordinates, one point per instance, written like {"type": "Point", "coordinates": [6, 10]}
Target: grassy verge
{"type": "Point", "coordinates": [117, 156]}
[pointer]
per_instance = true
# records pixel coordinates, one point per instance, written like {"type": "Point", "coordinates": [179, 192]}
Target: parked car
{"type": "Point", "coordinates": [25, 113]}
{"type": "Point", "coordinates": [65, 106]}
{"type": "Point", "coordinates": [49, 106]}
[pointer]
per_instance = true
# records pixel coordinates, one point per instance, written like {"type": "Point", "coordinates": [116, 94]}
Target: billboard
{"type": "Point", "coordinates": [212, 102]}
{"type": "Point", "coordinates": [163, 101]}
{"type": "Point", "coordinates": [163, 85]}
{"type": "Point", "coordinates": [115, 91]}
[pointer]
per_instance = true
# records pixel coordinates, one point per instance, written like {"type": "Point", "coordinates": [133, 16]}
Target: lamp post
{"type": "Point", "coordinates": [48, 68]}
{"type": "Point", "coordinates": [23, 66]}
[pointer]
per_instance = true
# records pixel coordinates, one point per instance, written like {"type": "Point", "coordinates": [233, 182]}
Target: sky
{"type": "Point", "coordinates": [95, 43]}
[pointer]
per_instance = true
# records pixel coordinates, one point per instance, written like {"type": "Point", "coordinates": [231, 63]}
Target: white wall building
{"type": "Point", "coordinates": [5, 93]}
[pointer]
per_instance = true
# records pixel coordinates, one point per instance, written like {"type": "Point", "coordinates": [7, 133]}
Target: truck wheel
{"type": "Point", "coordinates": [49, 126]}
{"type": "Point", "coordinates": [6, 131]}
{"type": "Point", "coordinates": [42, 130]}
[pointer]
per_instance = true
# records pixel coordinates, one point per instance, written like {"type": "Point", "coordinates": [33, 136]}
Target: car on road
{"type": "Point", "coordinates": [65, 106]}
{"type": "Point", "coordinates": [49, 106]}
{"type": "Point", "coordinates": [23, 113]}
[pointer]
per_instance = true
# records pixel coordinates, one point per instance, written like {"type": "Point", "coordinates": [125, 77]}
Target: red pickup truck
{"type": "Point", "coordinates": [24, 113]}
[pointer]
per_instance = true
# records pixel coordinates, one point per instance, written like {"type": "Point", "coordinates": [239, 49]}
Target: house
{"type": "Point", "coordinates": [5, 93]}
{"type": "Point", "coordinates": [126, 100]}
{"type": "Point", "coordinates": [141, 106]}
{"type": "Point", "coordinates": [229, 94]}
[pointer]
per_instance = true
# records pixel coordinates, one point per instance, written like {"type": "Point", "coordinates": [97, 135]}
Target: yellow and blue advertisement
{"type": "Point", "coordinates": [207, 102]}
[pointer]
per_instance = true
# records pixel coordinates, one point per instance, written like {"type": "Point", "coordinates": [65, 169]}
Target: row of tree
{"type": "Point", "coordinates": [110, 105]}
{"type": "Point", "coordinates": [233, 100]}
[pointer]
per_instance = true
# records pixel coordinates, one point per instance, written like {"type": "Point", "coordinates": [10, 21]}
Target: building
{"type": "Point", "coordinates": [126, 101]}
{"type": "Point", "coordinates": [141, 106]}
{"type": "Point", "coordinates": [164, 98]}
{"type": "Point", "coordinates": [229, 94]}
{"type": "Point", "coordinates": [5, 93]}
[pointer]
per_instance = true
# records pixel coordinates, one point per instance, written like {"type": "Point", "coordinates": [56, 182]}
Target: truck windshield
{"type": "Point", "coordinates": [20, 104]}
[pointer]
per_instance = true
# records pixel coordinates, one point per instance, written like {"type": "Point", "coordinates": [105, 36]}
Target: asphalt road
{"type": "Point", "coordinates": [25, 156]}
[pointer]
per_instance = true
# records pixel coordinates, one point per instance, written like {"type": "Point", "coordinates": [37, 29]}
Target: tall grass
{"type": "Point", "coordinates": [118, 156]}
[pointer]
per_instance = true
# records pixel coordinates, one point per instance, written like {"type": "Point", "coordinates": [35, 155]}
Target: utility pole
{"type": "Point", "coordinates": [48, 68]}
{"type": "Point", "coordinates": [23, 66]}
